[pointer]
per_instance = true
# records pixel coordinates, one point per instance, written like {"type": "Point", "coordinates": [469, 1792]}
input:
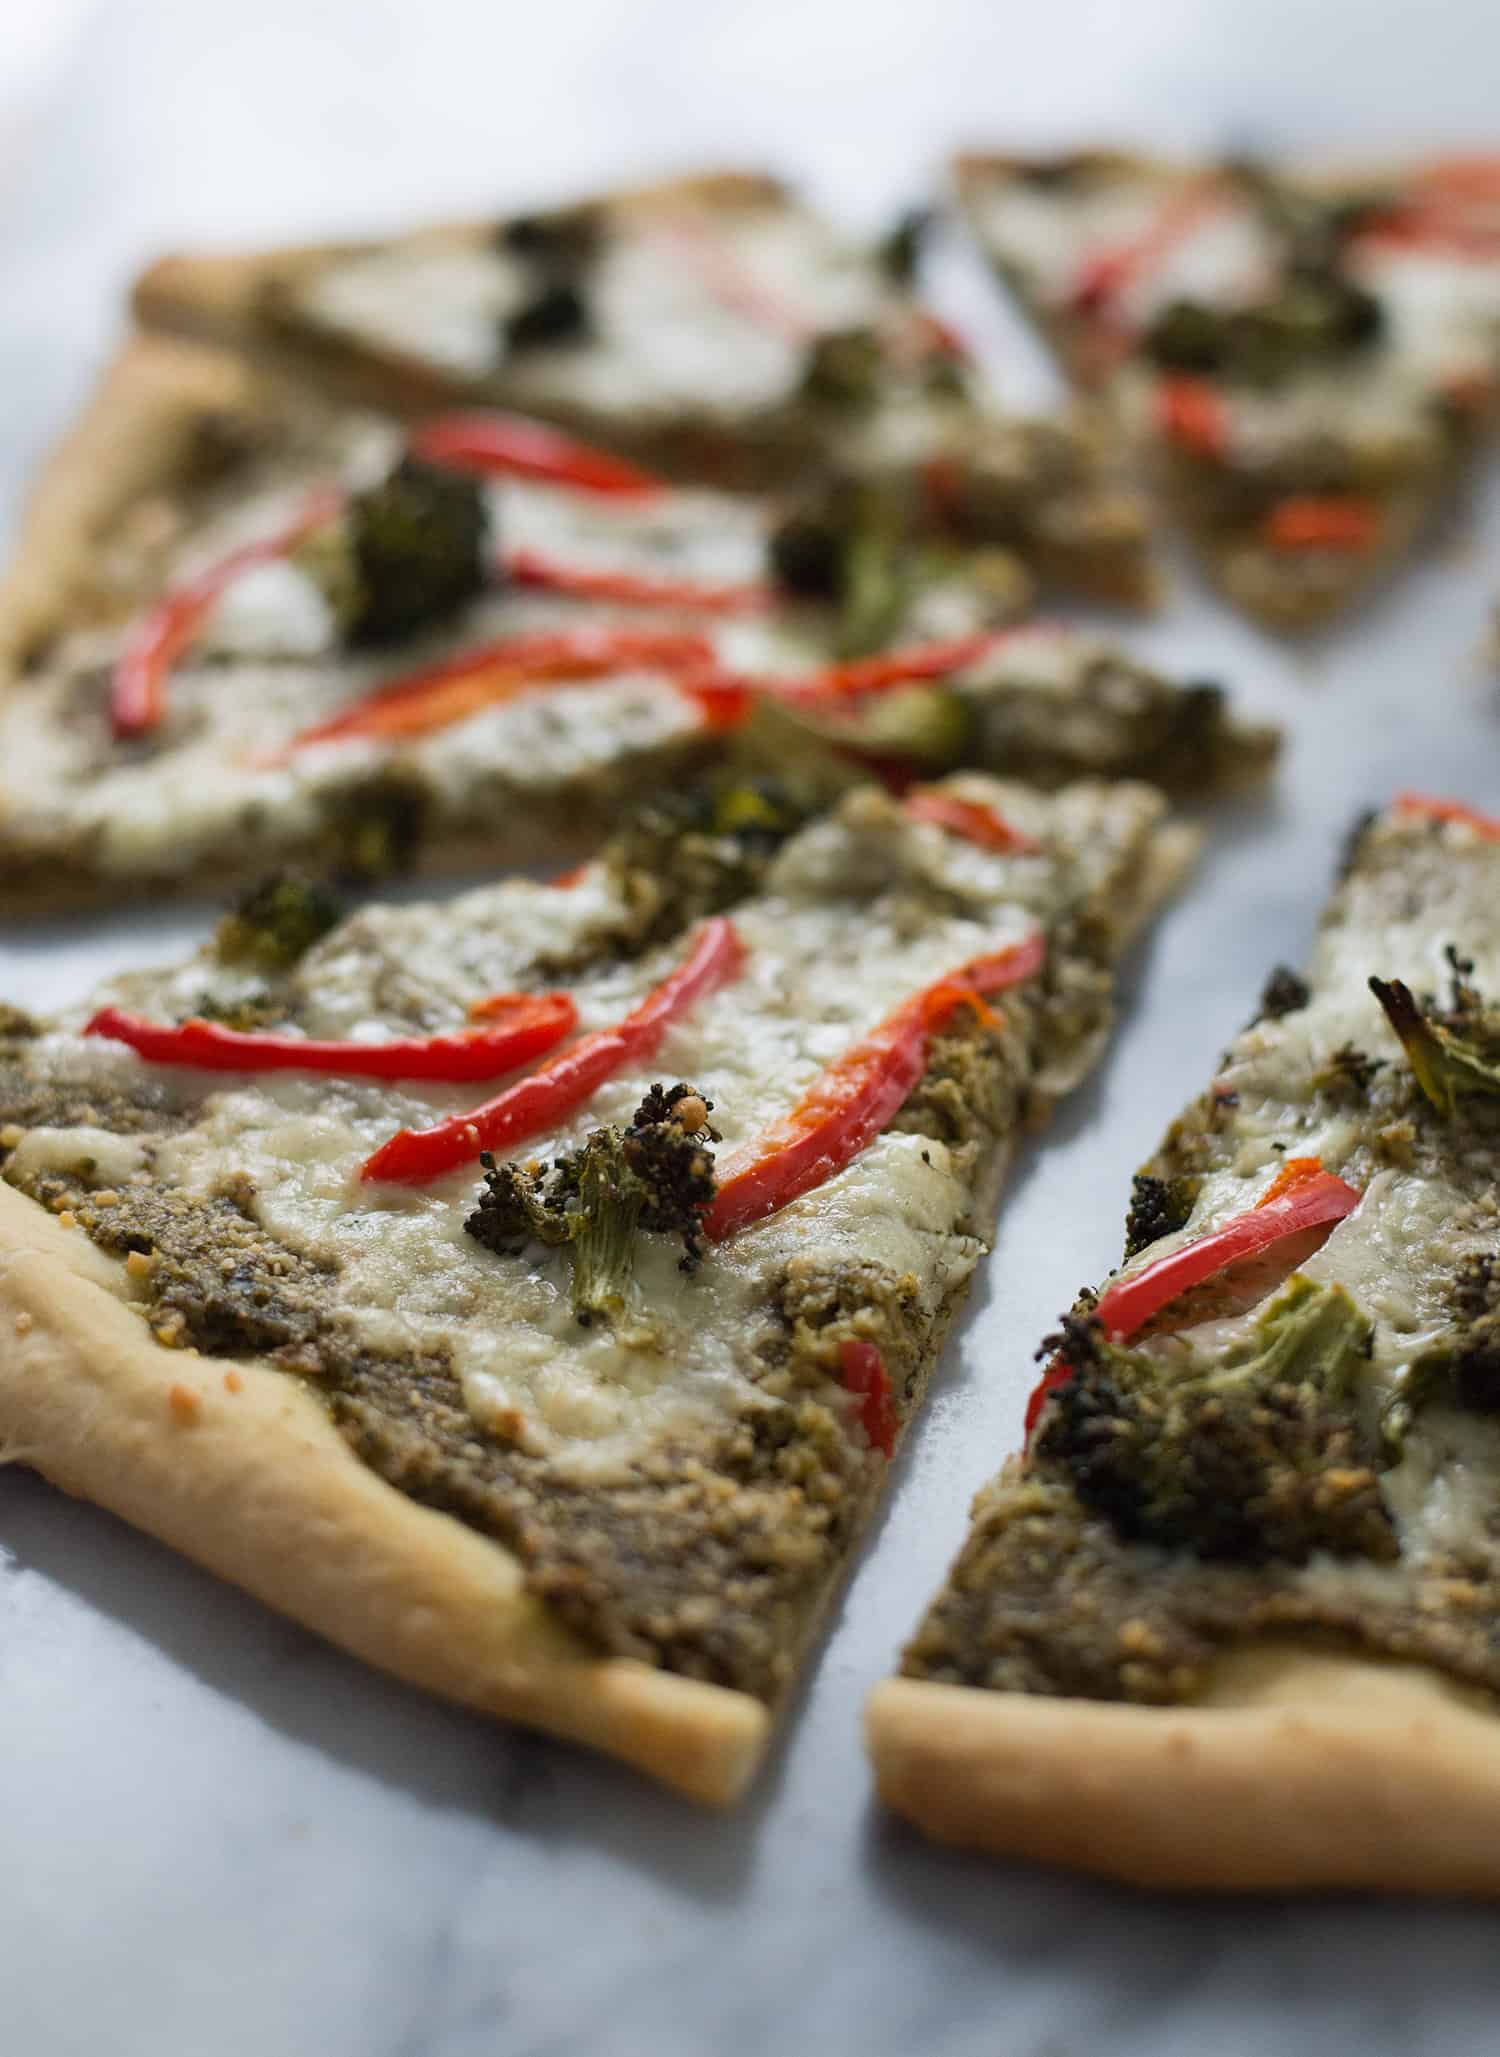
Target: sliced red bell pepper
{"type": "Point", "coordinates": [1424, 804]}
{"type": "Point", "coordinates": [733, 284]}
{"type": "Point", "coordinates": [138, 690]}
{"type": "Point", "coordinates": [637, 589]}
{"type": "Point", "coordinates": [518, 1027]}
{"type": "Point", "coordinates": [1191, 413]}
{"type": "Point", "coordinates": [547, 1096]}
{"type": "Point", "coordinates": [1105, 275]}
{"type": "Point", "coordinates": [440, 694]}
{"type": "Point", "coordinates": [512, 446]}
{"type": "Point", "coordinates": [1302, 1196]}
{"type": "Point", "coordinates": [970, 819]}
{"type": "Point", "coordinates": [1345, 522]}
{"type": "Point", "coordinates": [862, 1369]}
{"type": "Point", "coordinates": [909, 665]}
{"type": "Point", "coordinates": [848, 1106]}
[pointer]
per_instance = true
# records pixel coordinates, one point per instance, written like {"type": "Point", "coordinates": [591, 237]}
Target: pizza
{"type": "Point", "coordinates": [1231, 1620]}
{"type": "Point", "coordinates": [250, 629]}
{"type": "Point", "coordinates": [713, 328]}
{"type": "Point", "coordinates": [528, 1291]}
{"type": "Point", "coordinates": [1310, 360]}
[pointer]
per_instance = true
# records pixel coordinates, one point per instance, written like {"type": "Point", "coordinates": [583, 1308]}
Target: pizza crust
{"type": "Point", "coordinates": [238, 1467]}
{"type": "Point", "coordinates": [1300, 1770]}
{"type": "Point", "coordinates": [133, 439]}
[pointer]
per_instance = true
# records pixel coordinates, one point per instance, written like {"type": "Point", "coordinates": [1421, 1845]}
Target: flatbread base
{"type": "Point", "coordinates": [1300, 1770]}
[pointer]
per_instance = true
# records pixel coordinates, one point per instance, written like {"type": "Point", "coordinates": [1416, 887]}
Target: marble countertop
{"type": "Point", "coordinates": [222, 1839]}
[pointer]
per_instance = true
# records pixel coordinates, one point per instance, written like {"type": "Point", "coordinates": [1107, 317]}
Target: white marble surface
{"type": "Point", "coordinates": [221, 1839]}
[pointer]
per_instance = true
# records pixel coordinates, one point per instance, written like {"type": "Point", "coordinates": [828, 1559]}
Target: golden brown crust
{"type": "Point", "coordinates": [1303, 1770]}
{"type": "Point", "coordinates": [240, 1469]}
{"type": "Point", "coordinates": [132, 440]}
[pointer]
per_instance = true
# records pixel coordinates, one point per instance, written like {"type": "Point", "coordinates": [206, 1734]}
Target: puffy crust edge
{"type": "Point", "coordinates": [239, 1468]}
{"type": "Point", "coordinates": [132, 439]}
{"type": "Point", "coordinates": [1303, 1770]}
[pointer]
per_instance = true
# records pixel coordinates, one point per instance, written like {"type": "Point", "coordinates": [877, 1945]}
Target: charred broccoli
{"type": "Point", "coordinates": [900, 250]}
{"type": "Point", "coordinates": [1283, 993]}
{"type": "Point", "coordinates": [1256, 1456]}
{"type": "Point", "coordinates": [1454, 1051]}
{"type": "Point", "coordinates": [1158, 1207]}
{"type": "Point", "coordinates": [1462, 1372]}
{"type": "Point", "coordinates": [655, 1176]}
{"type": "Point", "coordinates": [277, 922]}
{"type": "Point", "coordinates": [407, 552]}
{"type": "Point", "coordinates": [1316, 316]}
{"type": "Point", "coordinates": [557, 314]}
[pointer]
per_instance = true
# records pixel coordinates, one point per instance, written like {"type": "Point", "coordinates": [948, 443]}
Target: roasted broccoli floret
{"type": "Point", "coordinates": [558, 314]}
{"type": "Point", "coordinates": [1462, 1372]}
{"type": "Point", "coordinates": [654, 1177]}
{"type": "Point", "coordinates": [376, 826]}
{"type": "Point", "coordinates": [277, 922]}
{"type": "Point", "coordinates": [900, 250]}
{"type": "Point", "coordinates": [843, 368]}
{"type": "Point", "coordinates": [407, 552]}
{"type": "Point", "coordinates": [1454, 1052]}
{"type": "Point", "coordinates": [1283, 993]}
{"type": "Point", "coordinates": [1315, 317]}
{"type": "Point", "coordinates": [560, 241]}
{"type": "Point", "coordinates": [1158, 1207]}
{"type": "Point", "coordinates": [1254, 1456]}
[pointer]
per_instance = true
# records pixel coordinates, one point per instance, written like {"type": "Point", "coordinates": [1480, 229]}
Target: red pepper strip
{"type": "Point", "coordinates": [532, 568]}
{"type": "Point", "coordinates": [510, 446]}
{"type": "Point", "coordinates": [521, 1026]}
{"type": "Point", "coordinates": [1474, 179]}
{"type": "Point", "coordinates": [856, 1096]}
{"type": "Point", "coordinates": [439, 694]}
{"type": "Point", "coordinates": [1431, 228]}
{"type": "Point", "coordinates": [1486, 825]}
{"type": "Point", "coordinates": [909, 666]}
{"type": "Point", "coordinates": [862, 1369]}
{"type": "Point", "coordinates": [1302, 1196]}
{"type": "Point", "coordinates": [138, 691]}
{"type": "Point", "coordinates": [545, 1097]}
{"type": "Point", "coordinates": [1336, 523]}
{"type": "Point", "coordinates": [1104, 276]}
{"type": "Point", "coordinates": [734, 285]}
{"type": "Point", "coordinates": [1191, 414]}
{"type": "Point", "coordinates": [970, 819]}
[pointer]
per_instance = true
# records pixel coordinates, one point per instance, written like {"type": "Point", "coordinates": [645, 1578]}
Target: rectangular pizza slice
{"type": "Point", "coordinates": [1233, 1619]}
{"type": "Point", "coordinates": [381, 1269]}
{"type": "Point", "coordinates": [1309, 359]}
{"type": "Point", "coordinates": [249, 629]}
{"type": "Point", "coordinates": [713, 328]}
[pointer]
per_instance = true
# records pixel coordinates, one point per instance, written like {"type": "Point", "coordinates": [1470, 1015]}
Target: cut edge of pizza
{"type": "Point", "coordinates": [1271, 1668]}
{"type": "Point", "coordinates": [1303, 530]}
{"type": "Point", "coordinates": [182, 449]}
{"type": "Point", "coordinates": [573, 1518]}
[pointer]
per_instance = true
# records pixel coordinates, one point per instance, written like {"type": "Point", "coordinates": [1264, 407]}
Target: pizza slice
{"type": "Point", "coordinates": [1310, 360]}
{"type": "Point", "coordinates": [1233, 1619]}
{"type": "Point", "coordinates": [249, 629]}
{"type": "Point", "coordinates": [382, 1268]}
{"type": "Point", "coordinates": [714, 329]}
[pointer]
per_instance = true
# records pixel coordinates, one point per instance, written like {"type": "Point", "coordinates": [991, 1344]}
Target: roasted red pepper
{"type": "Point", "coordinates": [138, 689]}
{"type": "Point", "coordinates": [548, 1096]}
{"type": "Point", "coordinates": [440, 694]}
{"type": "Point", "coordinates": [862, 1369]}
{"type": "Point", "coordinates": [511, 446]}
{"type": "Point", "coordinates": [1302, 1196]}
{"type": "Point", "coordinates": [1104, 276]}
{"type": "Point", "coordinates": [1424, 804]}
{"type": "Point", "coordinates": [518, 1027]}
{"type": "Point", "coordinates": [1343, 522]}
{"type": "Point", "coordinates": [909, 665]}
{"type": "Point", "coordinates": [845, 1109]}
{"type": "Point", "coordinates": [1192, 414]}
{"type": "Point", "coordinates": [533, 568]}
{"type": "Point", "coordinates": [970, 819]}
